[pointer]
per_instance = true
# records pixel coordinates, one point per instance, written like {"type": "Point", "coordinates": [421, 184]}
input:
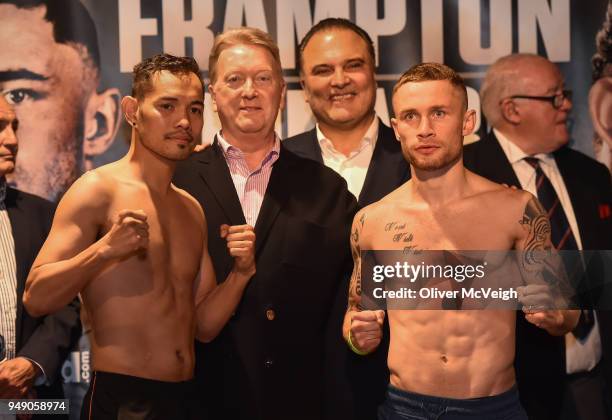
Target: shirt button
{"type": "Point", "coordinates": [270, 314]}
{"type": "Point", "coordinates": [269, 363]}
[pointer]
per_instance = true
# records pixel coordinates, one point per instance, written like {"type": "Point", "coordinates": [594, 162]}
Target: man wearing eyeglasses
{"type": "Point", "coordinates": [525, 102]}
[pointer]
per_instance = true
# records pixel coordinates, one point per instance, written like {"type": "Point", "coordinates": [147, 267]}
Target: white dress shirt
{"type": "Point", "coordinates": [354, 167]}
{"type": "Point", "coordinates": [581, 355]}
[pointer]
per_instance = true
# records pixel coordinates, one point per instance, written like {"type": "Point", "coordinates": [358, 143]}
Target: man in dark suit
{"type": "Point", "coordinates": [337, 73]}
{"type": "Point", "coordinates": [337, 65]}
{"type": "Point", "coordinates": [33, 348]}
{"type": "Point", "coordinates": [270, 361]}
{"type": "Point", "coordinates": [524, 101]}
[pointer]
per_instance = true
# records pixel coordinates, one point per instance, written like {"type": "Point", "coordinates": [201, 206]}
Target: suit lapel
{"type": "Point", "coordinates": [23, 243]}
{"type": "Point", "coordinates": [312, 149]}
{"type": "Point", "coordinates": [494, 164]}
{"type": "Point", "coordinates": [216, 175]}
{"type": "Point", "coordinates": [383, 167]}
{"type": "Point", "coordinates": [277, 192]}
{"type": "Point", "coordinates": [575, 189]}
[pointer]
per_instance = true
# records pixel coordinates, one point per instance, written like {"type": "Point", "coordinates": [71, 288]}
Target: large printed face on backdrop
{"type": "Point", "coordinates": [542, 123]}
{"type": "Point", "coordinates": [248, 91]}
{"type": "Point", "coordinates": [338, 79]}
{"type": "Point", "coordinates": [64, 122]}
{"type": "Point", "coordinates": [430, 122]}
{"type": "Point", "coordinates": [8, 139]}
{"type": "Point", "coordinates": [169, 118]}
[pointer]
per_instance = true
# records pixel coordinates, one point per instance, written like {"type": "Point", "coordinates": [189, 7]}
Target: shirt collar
{"type": "Point", "coordinates": [516, 154]}
{"type": "Point", "coordinates": [370, 137]}
{"type": "Point", "coordinates": [233, 152]}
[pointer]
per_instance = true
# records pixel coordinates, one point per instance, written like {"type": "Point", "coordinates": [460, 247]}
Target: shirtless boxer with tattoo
{"type": "Point", "coordinates": [452, 364]}
{"type": "Point", "coordinates": [135, 248]}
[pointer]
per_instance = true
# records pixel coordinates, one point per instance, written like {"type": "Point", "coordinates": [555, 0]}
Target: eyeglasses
{"type": "Point", "coordinates": [555, 100]}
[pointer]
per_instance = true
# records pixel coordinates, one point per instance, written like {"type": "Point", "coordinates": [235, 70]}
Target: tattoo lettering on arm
{"type": "Point", "coordinates": [354, 298]}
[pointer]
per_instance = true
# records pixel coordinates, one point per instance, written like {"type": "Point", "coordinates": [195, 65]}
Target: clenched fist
{"type": "Point", "coordinates": [366, 330]}
{"type": "Point", "coordinates": [128, 235]}
{"type": "Point", "coordinates": [241, 246]}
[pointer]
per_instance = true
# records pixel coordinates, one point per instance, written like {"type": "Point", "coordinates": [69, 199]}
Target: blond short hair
{"type": "Point", "coordinates": [237, 36]}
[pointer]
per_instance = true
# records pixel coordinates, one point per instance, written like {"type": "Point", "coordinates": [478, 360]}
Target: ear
{"type": "Point", "coordinates": [509, 111]}
{"type": "Point", "coordinates": [129, 107]}
{"type": "Point", "coordinates": [211, 90]}
{"type": "Point", "coordinates": [469, 122]}
{"type": "Point", "coordinates": [101, 122]}
{"type": "Point", "coordinates": [394, 126]}
{"type": "Point", "coordinates": [283, 101]}
{"type": "Point", "coordinates": [304, 89]}
{"type": "Point", "coordinates": [600, 108]}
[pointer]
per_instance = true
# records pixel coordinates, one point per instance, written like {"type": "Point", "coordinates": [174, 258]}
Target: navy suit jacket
{"type": "Point", "coordinates": [364, 381]}
{"type": "Point", "coordinates": [540, 357]}
{"type": "Point", "coordinates": [276, 367]}
{"type": "Point", "coordinates": [46, 339]}
{"type": "Point", "coordinates": [387, 171]}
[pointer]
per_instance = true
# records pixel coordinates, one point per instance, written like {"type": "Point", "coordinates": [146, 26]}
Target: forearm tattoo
{"type": "Point", "coordinates": [355, 286]}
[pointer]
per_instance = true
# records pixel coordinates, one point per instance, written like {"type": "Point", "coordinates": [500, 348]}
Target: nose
{"type": "Point", "coordinates": [184, 121]}
{"type": "Point", "coordinates": [425, 129]}
{"type": "Point", "coordinates": [340, 79]}
{"type": "Point", "coordinates": [8, 138]}
{"type": "Point", "coordinates": [248, 89]}
{"type": "Point", "coordinates": [566, 105]}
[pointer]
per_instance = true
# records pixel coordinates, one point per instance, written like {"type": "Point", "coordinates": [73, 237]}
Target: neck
{"type": "Point", "coordinates": [439, 187]}
{"type": "Point", "coordinates": [347, 139]}
{"type": "Point", "coordinates": [254, 147]}
{"type": "Point", "coordinates": [520, 140]}
{"type": "Point", "coordinates": [149, 167]}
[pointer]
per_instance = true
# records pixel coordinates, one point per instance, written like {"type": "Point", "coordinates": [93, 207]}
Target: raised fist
{"type": "Point", "coordinates": [241, 246]}
{"type": "Point", "coordinates": [128, 235]}
{"type": "Point", "coordinates": [366, 329]}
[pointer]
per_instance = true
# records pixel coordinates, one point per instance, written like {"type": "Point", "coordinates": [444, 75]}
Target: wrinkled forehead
{"type": "Point", "coordinates": [247, 56]}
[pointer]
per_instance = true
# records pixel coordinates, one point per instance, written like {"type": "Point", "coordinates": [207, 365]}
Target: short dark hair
{"type": "Point", "coordinates": [72, 24]}
{"type": "Point", "coordinates": [144, 70]}
{"type": "Point", "coordinates": [602, 59]}
{"type": "Point", "coordinates": [331, 24]}
{"type": "Point", "coordinates": [425, 72]}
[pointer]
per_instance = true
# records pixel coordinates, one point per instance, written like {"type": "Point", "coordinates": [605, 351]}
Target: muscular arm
{"type": "Point", "coordinates": [71, 257]}
{"type": "Point", "coordinates": [215, 303]}
{"type": "Point", "coordinates": [535, 243]}
{"type": "Point", "coordinates": [354, 294]}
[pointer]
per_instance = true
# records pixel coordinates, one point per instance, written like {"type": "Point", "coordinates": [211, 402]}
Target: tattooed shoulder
{"type": "Point", "coordinates": [536, 224]}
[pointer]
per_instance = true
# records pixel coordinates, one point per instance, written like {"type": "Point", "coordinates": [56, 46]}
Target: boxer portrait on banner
{"type": "Point", "coordinates": [134, 247]}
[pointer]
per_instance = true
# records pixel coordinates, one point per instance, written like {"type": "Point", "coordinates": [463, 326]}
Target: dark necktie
{"type": "Point", "coordinates": [561, 235]}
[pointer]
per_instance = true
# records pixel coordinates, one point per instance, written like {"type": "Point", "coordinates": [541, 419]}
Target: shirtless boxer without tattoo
{"type": "Point", "coordinates": [135, 248]}
{"type": "Point", "coordinates": [452, 362]}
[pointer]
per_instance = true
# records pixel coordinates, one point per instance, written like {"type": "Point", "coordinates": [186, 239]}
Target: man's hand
{"type": "Point", "coordinates": [200, 147]}
{"type": "Point", "coordinates": [128, 235]}
{"type": "Point", "coordinates": [366, 330]}
{"type": "Point", "coordinates": [16, 377]}
{"type": "Point", "coordinates": [241, 246]}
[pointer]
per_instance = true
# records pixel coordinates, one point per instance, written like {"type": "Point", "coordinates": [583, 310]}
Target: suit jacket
{"type": "Point", "coordinates": [46, 339]}
{"type": "Point", "coordinates": [540, 357]}
{"type": "Point", "coordinates": [364, 381]}
{"type": "Point", "coordinates": [269, 362]}
{"type": "Point", "coordinates": [388, 169]}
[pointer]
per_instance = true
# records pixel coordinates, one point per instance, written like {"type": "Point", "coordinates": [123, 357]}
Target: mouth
{"type": "Point", "coordinates": [341, 97]}
{"type": "Point", "coordinates": [180, 138]}
{"type": "Point", "coordinates": [427, 149]}
{"type": "Point", "coordinates": [248, 109]}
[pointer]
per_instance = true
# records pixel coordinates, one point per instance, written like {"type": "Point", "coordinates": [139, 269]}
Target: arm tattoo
{"type": "Point", "coordinates": [354, 298]}
{"type": "Point", "coordinates": [537, 245]}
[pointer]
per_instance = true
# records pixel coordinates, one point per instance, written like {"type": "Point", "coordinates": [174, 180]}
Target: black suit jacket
{"type": "Point", "coordinates": [388, 169]}
{"type": "Point", "coordinates": [540, 357]}
{"type": "Point", "coordinates": [273, 369]}
{"type": "Point", "coordinates": [365, 380]}
{"type": "Point", "coordinates": [47, 339]}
